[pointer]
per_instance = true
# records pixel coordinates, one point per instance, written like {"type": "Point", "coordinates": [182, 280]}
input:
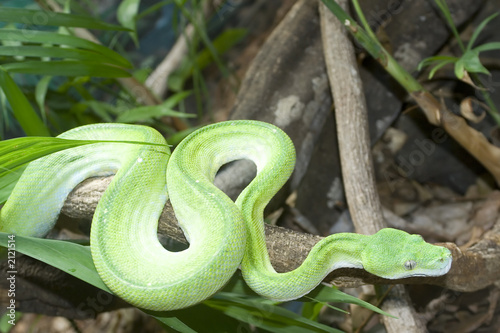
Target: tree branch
{"type": "Point", "coordinates": [473, 269]}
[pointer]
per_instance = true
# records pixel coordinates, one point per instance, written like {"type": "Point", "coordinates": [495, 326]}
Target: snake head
{"type": "Point", "coordinates": [395, 254]}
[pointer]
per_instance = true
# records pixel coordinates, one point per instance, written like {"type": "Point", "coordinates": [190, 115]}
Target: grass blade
{"type": "Point", "coordinates": [7, 183]}
{"type": "Point", "coordinates": [69, 257]}
{"type": "Point", "coordinates": [43, 37]}
{"type": "Point", "coordinates": [19, 151]}
{"type": "Point", "coordinates": [66, 68]}
{"type": "Point", "coordinates": [324, 293]}
{"type": "Point", "coordinates": [478, 30]}
{"type": "Point", "coordinates": [23, 111]}
{"type": "Point", "coordinates": [53, 52]}
{"type": "Point", "coordinates": [32, 17]}
{"type": "Point", "coordinates": [263, 314]}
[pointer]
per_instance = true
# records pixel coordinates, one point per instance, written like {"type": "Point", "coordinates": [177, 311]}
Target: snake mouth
{"type": "Point", "coordinates": [439, 271]}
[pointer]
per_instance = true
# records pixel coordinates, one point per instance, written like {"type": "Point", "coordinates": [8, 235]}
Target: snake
{"type": "Point", "coordinates": [223, 235]}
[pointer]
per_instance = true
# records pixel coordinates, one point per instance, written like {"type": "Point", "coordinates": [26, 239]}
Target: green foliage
{"type": "Point", "coordinates": [24, 113]}
{"type": "Point", "coordinates": [48, 18]}
{"type": "Point", "coordinates": [469, 61]}
{"type": "Point", "coordinates": [145, 113]}
{"type": "Point", "coordinates": [5, 326]}
{"type": "Point", "coordinates": [468, 64]}
{"type": "Point", "coordinates": [222, 43]}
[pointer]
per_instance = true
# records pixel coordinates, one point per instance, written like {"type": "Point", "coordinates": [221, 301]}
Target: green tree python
{"type": "Point", "coordinates": [223, 235]}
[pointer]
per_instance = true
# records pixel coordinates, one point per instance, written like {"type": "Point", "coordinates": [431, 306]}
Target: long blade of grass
{"type": "Point", "coordinates": [69, 257]}
{"type": "Point", "coordinates": [265, 315]}
{"type": "Point", "coordinates": [66, 68]}
{"type": "Point", "coordinates": [443, 6]}
{"type": "Point", "coordinates": [144, 113]}
{"type": "Point", "coordinates": [7, 183]}
{"type": "Point", "coordinates": [203, 35]}
{"type": "Point", "coordinates": [324, 293]}
{"type": "Point", "coordinates": [21, 107]}
{"type": "Point", "coordinates": [19, 151]}
{"type": "Point", "coordinates": [53, 52]}
{"type": "Point", "coordinates": [43, 37]}
{"type": "Point", "coordinates": [165, 109]}
{"type": "Point", "coordinates": [32, 17]}
{"type": "Point", "coordinates": [40, 93]}
{"type": "Point", "coordinates": [478, 30]}
{"type": "Point", "coordinates": [487, 47]}
{"type": "Point", "coordinates": [428, 61]}
{"type": "Point", "coordinates": [439, 66]}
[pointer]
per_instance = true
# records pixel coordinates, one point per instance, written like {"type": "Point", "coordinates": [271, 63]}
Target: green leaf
{"type": "Point", "coordinates": [43, 37]}
{"type": "Point", "coordinates": [66, 68]}
{"type": "Point", "coordinates": [40, 93]}
{"type": "Point", "coordinates": [6, 321]}
{"type": "Point", "coordinates": [8, 181]}
{"type": "Point", "coordinates": [430, 60]}
{"type": "Point", "coordinates": [460, 68]}
{"type": "Point", "coordinates": [206, 317]}
{"type": "Point", "coordinates": [127, 13]}
{"type": "Point", "coordinates": [152, 9]}
{"type": "Point", "coordinates": [472, 64]}
{"type": "Point", "coordinates": [334, 7]}
{"type": "Point", "coordinates": [478, 30]}
{"type": "Point", "coordinates": [324, 293]}
{"type": "Point", "coordinates": [263, 314]}
{"type": "Point", "coordinates": [441, 60]}
{"type": "Point", "coordinates": [487, 47]}
{"type": "Point", "coordinates": [225, 41]}
{"type": "Point", "coordinates": [39, 17]}
{"type": "Point", "coordinates": [202, 33]}
{"type": "Point", "coordinates": [103, 110]}
{"type": "Point", "coordinates": [438, 67]}
{"type": "Point", "coordinates": [53, 52]}
{"type": "Point", "coordinates": [24, 113]}
{"type": "Point", "coordinates": [17, 152]}
{"type": "Point", "coordinates": [147, 112]}
{"type": "Point", "coordinates": [144, 113]}
{"type": "Point", "coordinates": [69, 257]}
{"type": "Point", "coordinates": [75, 260]}
{"type": "Point", "coordinates": [443, 6]}
{"type": "Point", "coordinates": [311, 310]}
{"type": "Point", "coordinates": [173, 323]}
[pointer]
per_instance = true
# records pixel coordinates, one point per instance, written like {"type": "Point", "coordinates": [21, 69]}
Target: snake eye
{"type": "Point", "coordinates": [410, 264]}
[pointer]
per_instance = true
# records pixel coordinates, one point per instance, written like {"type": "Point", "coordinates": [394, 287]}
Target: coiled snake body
{"type": "Point", "coordinates": [222, 234]}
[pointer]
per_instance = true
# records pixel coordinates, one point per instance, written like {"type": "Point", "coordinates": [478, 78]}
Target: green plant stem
{"type": "Point", "coordinates": [446, 12]}
{"type": "Point", "coordinates": [492, 109]}
{"type": "Point", "coordinates": [203, 35]}
{"type": "Point", "coordinates": [368, 40]}
{"type": "Point", "coordinates": [363, 20]}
